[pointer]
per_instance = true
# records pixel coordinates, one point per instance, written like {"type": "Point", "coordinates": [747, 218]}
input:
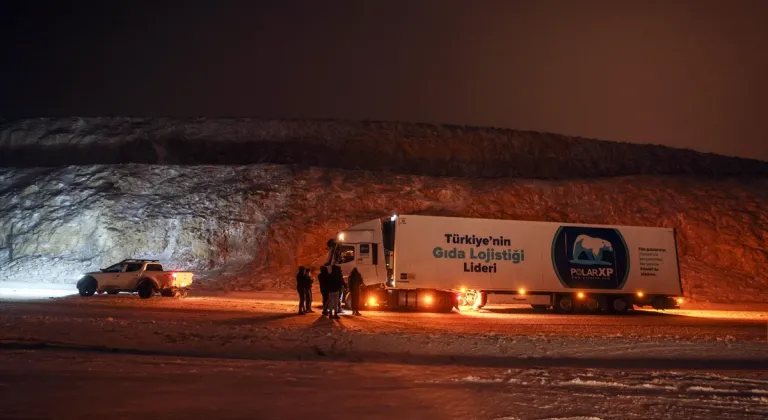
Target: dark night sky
{"type": "Point", "coordinates": [684, 73]}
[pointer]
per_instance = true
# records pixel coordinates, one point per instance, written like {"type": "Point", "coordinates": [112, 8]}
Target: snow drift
{"type": "Point", "coordinates": [247, 226]}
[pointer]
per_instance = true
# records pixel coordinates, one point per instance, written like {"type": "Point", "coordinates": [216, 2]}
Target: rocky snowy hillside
{"type": "Point", "coordinates": [415, 149]}
{"type": "Point", "coordinates": [248, 226]}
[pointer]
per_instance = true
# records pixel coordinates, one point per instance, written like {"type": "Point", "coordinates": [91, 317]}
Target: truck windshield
{"type": "Point", "coordinates": [341, 254]}
{"type": "Point", "coordinates": [113, 268]}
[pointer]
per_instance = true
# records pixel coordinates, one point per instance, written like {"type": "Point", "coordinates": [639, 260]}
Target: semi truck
{"type": "Point", "coordinates": [435, 263]}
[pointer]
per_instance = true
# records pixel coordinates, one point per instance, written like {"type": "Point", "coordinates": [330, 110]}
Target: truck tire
{"type": "Point", "coordinates": [564, 304]}
{"type": "Point", "coordinates": [444, 302]}
{"type": "Point", "coordinates": [593, 304]}
{"type": "Point", "coordinates": [618, 305]}
{"type": "Point", "coordinates": [88, 287]}
{"type": "Point", "coordinates": [146, 289]}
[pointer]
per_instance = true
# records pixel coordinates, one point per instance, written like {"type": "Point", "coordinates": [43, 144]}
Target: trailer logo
{"type": "Point", "coordinates": [590, 258]}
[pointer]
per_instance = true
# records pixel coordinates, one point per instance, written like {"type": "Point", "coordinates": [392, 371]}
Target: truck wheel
{"type": "Point", "coordinates": [564, 305]}
{"type": "Point", "coordinates": [87, 287]}
{"type": "Point", "coordinates": [593, 304]}
{"type": "Point", "coordinates": [619, 305]}
{"type": "Point", "coordinates": [146, 290]}
{"type": "Point", "coordinates": [444, 303]}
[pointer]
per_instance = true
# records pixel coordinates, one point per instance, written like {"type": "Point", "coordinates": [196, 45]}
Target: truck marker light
{"type": "Point", "coordinates": [640, 294]}
{"type": "Point", "coordinates": [428, 299]}
{"type": "Point", "coordinates": [521, 291]}
{"type": "Point", "coordinates": [580, 295]}
{"type": "Point", "coordinates": [679, 301]}
{"type": "Point", "coordinates": [463, 289]}
{"type": "Point", "coordinates": [341, 236]}
{"type": "Point", "coordinates": [371, 300]}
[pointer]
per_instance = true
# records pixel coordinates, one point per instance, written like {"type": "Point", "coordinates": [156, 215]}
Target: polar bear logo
{"type": "Point", "coordinates": [589, 250]}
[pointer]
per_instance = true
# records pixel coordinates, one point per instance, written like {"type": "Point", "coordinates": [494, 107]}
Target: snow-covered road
{"type": "Point", "coordinates": [250, 356]}
{"type": "Point", "coordinates": [265, 326]}
{"type": "Point", "coordinates": [75, 385]}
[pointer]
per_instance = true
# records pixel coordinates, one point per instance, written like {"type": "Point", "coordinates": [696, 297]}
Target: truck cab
{"type": "Point", "coordinates": [364, 246]}
{"type": "Point", "coordinates": [370, 247]}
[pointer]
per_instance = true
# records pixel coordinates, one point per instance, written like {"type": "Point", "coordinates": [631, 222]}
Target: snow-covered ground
{"type": "Point", "coordinates": [81, 385]}
{"type": "Point", "coordinates": [265, 326]}
{"type": "Point", "coordinates": [248, 355]}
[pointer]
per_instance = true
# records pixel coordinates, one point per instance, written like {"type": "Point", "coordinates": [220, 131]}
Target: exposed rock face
{"type": "Point", "coordinates": [247, 222]}
{"type": "Point", "coordinates": [248, 227]}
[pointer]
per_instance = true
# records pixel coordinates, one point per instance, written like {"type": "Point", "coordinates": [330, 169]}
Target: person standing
{"type": "Point", "coordinates": [355, 281]}
{"type": "Point", "coordinates": [300, 288]}
{"type": "Point", "coordinates": [323, 278]}
{"type": "Point", "coordinates": [342, 290]}
{"type": "Point", "coordinates": [335, 286]}
{"type": "Point", "coordinates": [308, 281]}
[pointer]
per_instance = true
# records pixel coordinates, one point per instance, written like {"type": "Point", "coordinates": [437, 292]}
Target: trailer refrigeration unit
{"type": "Point", "coordinates": [437, 263]}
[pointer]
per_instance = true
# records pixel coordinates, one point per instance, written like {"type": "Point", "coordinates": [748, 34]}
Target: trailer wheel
{"type": "Point", "coordinates": [619, 305]}
{"type": "Point", "coordinates": [444, 302]}
{"type": "Point", "coordinates": [564, 304]}
{"type": "Point", "coordinates": [593, 304]}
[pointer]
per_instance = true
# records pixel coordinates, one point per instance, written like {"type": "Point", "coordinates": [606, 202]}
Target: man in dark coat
{"type": "Point", "coordinates": [301, 288]}
{"type": "Point", "coordinates": [355, 281]}
{"type": "Point", "coordinates": [335, 286]}
{"type": "Point", "coordinates": [308, 281]}
{"type": "Point", "coordinates": [323, 278]}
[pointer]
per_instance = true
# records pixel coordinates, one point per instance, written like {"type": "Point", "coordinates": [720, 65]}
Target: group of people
{"type": "Point", "coordinates": [332, 287]}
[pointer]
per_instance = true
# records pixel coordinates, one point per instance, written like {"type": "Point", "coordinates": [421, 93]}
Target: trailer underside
{"type": "Point", "coordinates": [380, 297]}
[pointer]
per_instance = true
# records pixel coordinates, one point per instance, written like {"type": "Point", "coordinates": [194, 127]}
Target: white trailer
{"type": "Point", "coordinates": [436, 263]}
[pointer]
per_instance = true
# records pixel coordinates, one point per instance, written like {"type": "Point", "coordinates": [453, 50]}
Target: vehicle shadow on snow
{"type": "Point", "coordinates": [314, 353]}
{"type": "Point", "coordinates": [255, 320]}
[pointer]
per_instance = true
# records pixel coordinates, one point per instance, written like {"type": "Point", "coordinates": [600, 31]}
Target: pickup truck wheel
{"type": "Point", "coordinates": [87, 287]}
{"type": "Point", "coordinates": [146, 290]}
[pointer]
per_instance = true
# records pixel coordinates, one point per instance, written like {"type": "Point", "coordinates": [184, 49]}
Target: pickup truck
{"type": "Point", "coordinates": [146, 277]}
